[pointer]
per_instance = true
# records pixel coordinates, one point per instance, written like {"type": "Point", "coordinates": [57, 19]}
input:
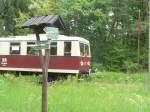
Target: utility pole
{"type": "Point", "coordinates": [138, 40]}
{"type": "Point", "coordinates": [149, 49]}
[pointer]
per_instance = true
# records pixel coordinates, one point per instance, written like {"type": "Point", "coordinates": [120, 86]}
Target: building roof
{"type": "Point", "coordinates": [53, 20]}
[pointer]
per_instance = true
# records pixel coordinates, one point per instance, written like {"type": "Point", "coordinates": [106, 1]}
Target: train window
{"type": "Point", "coordinates": [67, 48]}
{"type": "Point", "coordinates": [84, 49]}
{"type": "Point", "coordinates": [53, 50]}
{"type": "Point", "coordinates": [15, 48]}
{"type": "Point", "coordinates": [81, 49]}
{"type": "Point", "coordinates": [31, 49]}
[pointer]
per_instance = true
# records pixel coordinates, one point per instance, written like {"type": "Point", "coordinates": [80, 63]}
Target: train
{"type": "Point", "coordinates": [68, 54]}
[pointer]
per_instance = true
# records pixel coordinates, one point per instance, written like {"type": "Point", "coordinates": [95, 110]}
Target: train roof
{"type": "Point", "coordinates": [32, 37]}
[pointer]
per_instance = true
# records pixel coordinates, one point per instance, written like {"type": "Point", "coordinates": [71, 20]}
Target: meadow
{"type": "Point", "coordinates": [102, 92]}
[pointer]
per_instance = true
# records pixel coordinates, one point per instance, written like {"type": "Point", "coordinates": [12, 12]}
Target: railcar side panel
{"type": "Point", "coordinates": [4, 48]}
{"type": "Point", "coordinates": [33, 63]}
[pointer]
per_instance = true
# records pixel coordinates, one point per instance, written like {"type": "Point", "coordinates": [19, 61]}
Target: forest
{"type": "Point", "coordinates": [118, 32]}
{"type": "Point", "coordinates": [113, 27]}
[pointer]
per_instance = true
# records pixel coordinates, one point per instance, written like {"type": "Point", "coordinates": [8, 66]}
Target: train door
{"type": "Point", "coordinates": [85, 57]}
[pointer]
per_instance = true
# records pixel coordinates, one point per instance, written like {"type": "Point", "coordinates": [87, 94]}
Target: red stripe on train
{"type": "Point", "coordinates": [55, 62]}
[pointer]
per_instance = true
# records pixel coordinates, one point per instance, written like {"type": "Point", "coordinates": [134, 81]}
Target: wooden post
{"type": "Point", "coordinates": [45, 74]}
{"type": "Point", "coordinates": [45, 84]}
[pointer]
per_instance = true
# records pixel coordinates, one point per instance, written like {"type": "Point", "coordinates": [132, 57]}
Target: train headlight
{"type": "Point", "coordinates": [81, 63]}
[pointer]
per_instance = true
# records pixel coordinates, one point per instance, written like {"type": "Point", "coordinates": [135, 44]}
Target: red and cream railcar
{"type": "Point", "coordinates": [67, 54]}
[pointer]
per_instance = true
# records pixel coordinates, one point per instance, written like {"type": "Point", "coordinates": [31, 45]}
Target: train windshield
{"type": "Point", "coordinates": [84, 49]}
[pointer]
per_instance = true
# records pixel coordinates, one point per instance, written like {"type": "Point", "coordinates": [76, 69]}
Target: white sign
{"type": "Point", "coordinates": [52, 32]}
{"type": "Point", "coordinates": [42, 45]}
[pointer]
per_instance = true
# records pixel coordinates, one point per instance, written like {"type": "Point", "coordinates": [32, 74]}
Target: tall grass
{"type": "Point", "coordinates": [120, 77]}
{"type": "Point", "coordinates": [18, 95]}
{"type": "Point", "coordinates": [105, 92]}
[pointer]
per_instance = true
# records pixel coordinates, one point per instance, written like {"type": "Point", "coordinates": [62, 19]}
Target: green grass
{"type": "Point", "coordinates": [104, 92]}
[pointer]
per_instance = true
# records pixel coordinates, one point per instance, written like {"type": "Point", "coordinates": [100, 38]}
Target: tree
{"type": "Point", "coordinates": [109, 25]}
{"type": "Point", "coordinates": [8, 12]}
{"type": "Point", "coordinates": [44, 7]}
{"type": "Point", "coordinates": [113, 37]}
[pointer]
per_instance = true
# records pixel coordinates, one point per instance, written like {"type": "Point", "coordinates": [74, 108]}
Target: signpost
{"type": "Point", "coordinates": [42, 45]}
{"type": "Point", "coordinates": [45, 61]}
{"type": "Point", "coordinates": [37, 26]}
{"type": "Point", "coordinates": [52, 34]}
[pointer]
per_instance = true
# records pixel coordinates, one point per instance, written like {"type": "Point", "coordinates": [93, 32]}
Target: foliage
{"type": "Point", "coordinates": [109, 25]}
{"type": "Point", "coordinates": [43, 7]}
{"type": "Point", "coordinates": [10, 10]}
{"type": "Point", "coordinates": [120, 77]}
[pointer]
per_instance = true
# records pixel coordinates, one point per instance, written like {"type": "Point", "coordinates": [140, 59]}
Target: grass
{"type": "Point", "coordinates": [105, 92]}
